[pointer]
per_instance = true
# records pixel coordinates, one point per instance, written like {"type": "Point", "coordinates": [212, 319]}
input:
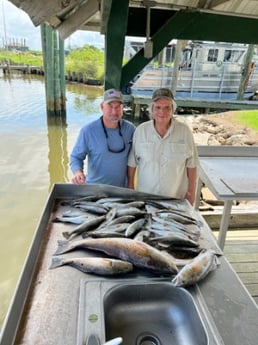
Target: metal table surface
{"type": "Point", "coordinates": [46, 306]}
{"type": "Point", "coordinates": [230, 173]}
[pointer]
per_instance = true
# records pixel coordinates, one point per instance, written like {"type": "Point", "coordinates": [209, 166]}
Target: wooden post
{"type": "Point", "coordinates": [175, 70]}
{"type": "Point", "coordinates": [53, 57]}
{"type": "Point", "coordinates": [246, 72]}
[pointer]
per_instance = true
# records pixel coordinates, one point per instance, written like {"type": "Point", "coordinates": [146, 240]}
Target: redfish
{"type": "Point", "coordinates": [138, 253]}
{"type": "Point", "coordinates": [197, 270]}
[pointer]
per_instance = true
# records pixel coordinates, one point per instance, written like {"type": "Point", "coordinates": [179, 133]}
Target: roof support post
{"type": "Point", "coordinates": [53, 57]}
{"type": "Point", "coordinates": [247, 71]}
{"type": "Point", "coordinates": [114, 43]}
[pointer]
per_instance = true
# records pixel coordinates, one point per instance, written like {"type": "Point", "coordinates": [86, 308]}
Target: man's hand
{"type": "Point", "coordinates": [78, 177]}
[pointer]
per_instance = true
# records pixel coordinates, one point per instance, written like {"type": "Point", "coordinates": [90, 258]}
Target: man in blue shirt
{"type": "Point", "coordinates": [106, 143]}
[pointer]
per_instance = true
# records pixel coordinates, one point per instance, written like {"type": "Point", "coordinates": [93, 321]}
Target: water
{"type": "Point", "coordinates": [34, 153]}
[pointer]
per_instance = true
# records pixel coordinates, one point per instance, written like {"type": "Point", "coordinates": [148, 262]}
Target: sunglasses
{"type": "Point", "coordinates": [106, 135]}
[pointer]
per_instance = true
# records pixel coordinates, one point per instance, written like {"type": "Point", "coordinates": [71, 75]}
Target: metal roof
{"type": "Point", "coordinates": [200, 18]}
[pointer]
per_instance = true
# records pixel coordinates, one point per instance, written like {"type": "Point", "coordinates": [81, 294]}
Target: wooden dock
{"type": "Point", "coordinates": [208, 105]}
{"type": "Point", "coordinates": [25, 69]}
{"type": "Point", "coordinates": [241, 250]}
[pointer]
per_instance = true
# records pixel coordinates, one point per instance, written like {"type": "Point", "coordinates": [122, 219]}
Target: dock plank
{"type": "Point", "coordinates": [241, 250]}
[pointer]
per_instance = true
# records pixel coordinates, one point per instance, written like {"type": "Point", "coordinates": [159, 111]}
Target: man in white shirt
{"type": "Point", "coordinates": [164, 152]}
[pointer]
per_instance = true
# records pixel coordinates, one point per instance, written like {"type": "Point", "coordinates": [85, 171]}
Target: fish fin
{"type": "Point", "coordinates": [216, 263]}
{"type": "Point", "coordinates": [56, 220]}
{"type": "Point", "coordinates": [56, 262]}
{"type": "Point", "coordinates": [63, 247]}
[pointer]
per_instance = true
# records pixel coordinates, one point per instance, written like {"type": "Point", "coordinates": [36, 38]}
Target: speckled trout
{"type": "Point", "coordinates": [197, 270]}
{"type": "Point", "coordinates": [100, 266]}
{"type": "Point", "coordinates": [138, 253]}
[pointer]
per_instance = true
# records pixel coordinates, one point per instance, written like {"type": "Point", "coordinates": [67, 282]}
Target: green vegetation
{"type": "Point", "coordinates": [32, 58]}
{"type": "Point", "coordinates": [87, 60]}
{"type": "Point", "coordinates": [248, 118]}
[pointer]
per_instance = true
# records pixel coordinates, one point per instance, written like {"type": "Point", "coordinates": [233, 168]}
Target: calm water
{"type": "Point", "coordinates": [33, 155]}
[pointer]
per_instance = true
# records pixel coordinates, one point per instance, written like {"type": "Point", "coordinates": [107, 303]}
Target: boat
{"type": "Point", "coordinates": [206, 70]}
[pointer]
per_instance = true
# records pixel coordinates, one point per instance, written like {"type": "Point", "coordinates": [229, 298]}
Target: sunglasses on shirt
{"type": "Point", "coordinates": [106, 135]}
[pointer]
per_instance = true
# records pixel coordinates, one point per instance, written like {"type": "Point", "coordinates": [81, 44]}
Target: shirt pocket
{"type": "Point", "coordinates": [145, 153]}
{"type": "Point", "coordinates": [173, 153]}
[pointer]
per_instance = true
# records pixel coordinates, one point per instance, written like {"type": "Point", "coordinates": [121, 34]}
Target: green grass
{"type": "Point", "coordinates": [248, 118]}
{"type": "Point", "coordinates": [31, 58]}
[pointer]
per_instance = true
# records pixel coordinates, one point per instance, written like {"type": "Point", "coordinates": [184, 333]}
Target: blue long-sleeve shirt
{"type": "Point", "coordinates": [103, 166]}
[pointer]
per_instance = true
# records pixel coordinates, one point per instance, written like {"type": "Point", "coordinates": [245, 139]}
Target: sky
{"type": "Point", "coordinates": [16, 26]}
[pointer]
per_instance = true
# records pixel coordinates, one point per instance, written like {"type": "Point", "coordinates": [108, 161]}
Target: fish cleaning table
{"type": "Point", "coordinates": [230, 173]}
{"type": "Point", "coordinates": [55, 306]}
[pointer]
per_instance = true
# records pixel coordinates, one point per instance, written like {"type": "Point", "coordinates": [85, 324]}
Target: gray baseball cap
{"type": "Point", "coordinates": [113, 95]}
{"type": "Point", "coordinates": [162, 93]}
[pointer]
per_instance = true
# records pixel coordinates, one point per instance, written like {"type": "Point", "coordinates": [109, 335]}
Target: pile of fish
{"type": "Point", "coordinates": [156, 235]}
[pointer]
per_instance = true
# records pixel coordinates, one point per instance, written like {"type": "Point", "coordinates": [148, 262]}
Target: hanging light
{"type": "Point", "coordinates": [148, 45]}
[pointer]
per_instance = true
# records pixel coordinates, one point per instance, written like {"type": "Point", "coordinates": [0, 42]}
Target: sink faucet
{"type": "Point", "coordinates": [93, 339]}
{"type": "Point", "coordinates": [115, 341]}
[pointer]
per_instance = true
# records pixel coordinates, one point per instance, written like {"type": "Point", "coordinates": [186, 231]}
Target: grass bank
{"type": "Point", "coordinates": [248, 118]}
{"type": "Point", "coordinates": [87, 60]}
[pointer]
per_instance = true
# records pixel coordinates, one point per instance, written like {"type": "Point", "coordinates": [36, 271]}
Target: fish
{"type": "Point", "coordinates": [118, 220]}
{"type": "Point", "coordinates": [92, 208]}
{"type": "Point", "coordinates": [99, 266]}
{"type": "Point", "coordinates": [94, 197]}
{"type": "Point", "coordinates": [179, 217]}
{"type": "Point", "coordinates": [105, 234]}
{"type": "Point", "coordinates": [73, 220]}
{"type": "Point", "coordinates": [162, 205]}
{"type": "Point", "coordinates": [142, 235]}
{"type": "Point", "coordinates": [174, 239]}
{"type": "Point", "coordinates": [137, 204]}
{"type": "Point", "coordinates": [114, 200]}
{"type": "Point", "coordinates": [179, 251]}
{"type": "Point", "coordinates": [169, 223]}
{"type": "Point", "coordinates": [135, 227]}
{"type": "Point", "coordinates": [126, 211]}
{"type": "Point", "coordinates": [87, 225]}
{"type": "Point", "coordinates": [167, 232]}
{"type": "Point", "coordinates": [71, 213]}
{"type": "Point", "coordinates": [187, 231]}
{"type": "Point", "coordinates": [140, 254]}
{"type": "Point", "coordinates": [115, 228]}
{"type": "Point", "coordinates": [197, 270]}
{"type": "Point", "coordinates": [111, 214]}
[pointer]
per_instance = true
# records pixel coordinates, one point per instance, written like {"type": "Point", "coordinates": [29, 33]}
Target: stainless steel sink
{"type": "Point", "coordinates": [152, 314]}
{"type": "Point", "coordinates": [144, 312]}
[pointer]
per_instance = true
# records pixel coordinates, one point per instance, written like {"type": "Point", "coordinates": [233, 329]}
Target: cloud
{"type": "Point", "coordinates": [16, 26]}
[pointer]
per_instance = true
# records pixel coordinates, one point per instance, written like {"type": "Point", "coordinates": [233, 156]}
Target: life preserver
{"type": "Point", "coordinates": [218, 63]}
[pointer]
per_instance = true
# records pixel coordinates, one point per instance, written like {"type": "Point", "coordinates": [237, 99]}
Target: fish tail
{"type": "Point", "coordinates": [66, 234]}
{"type": "Point", "coordinates": [56, 262]}
{"type": "Point", "coordinates": [63, 247]}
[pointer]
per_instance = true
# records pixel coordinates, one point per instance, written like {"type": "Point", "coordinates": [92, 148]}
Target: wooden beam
{"type": "Point", "coordinates": [114, 43]}
{"type": "Point", "coordinates": [78, 18]}
{"type": "Point", "coordinates": [53, 57]}
{"type": "Point", "coordinates": [41, 11]}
